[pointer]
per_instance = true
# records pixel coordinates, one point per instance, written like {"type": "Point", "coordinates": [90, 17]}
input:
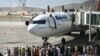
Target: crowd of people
{"type": "Point", "coordinates": [61, 50]}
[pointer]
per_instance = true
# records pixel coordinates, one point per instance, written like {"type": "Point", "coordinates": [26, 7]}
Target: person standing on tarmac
{"type": "Point", "coordinates": [43, 51]}
{"type": "Point", "coordinates": [8, 52]}
{"type": "Point", "coordinates": [5, 54]}
{"type": "Point", "coordinates": [58, 50]}
{"type": "Point", "coordinates": [20, 51]}
{"type": "Point", "coordinates": [63, 41]}
{"type": "Point", "coordinates": [75, 51]}
{"type": "Point", "coordinates": [23, 51]}
{"type": "Point", "coordinates": [28, 51]}
{"type": "Point", "coordinates": [40, 52]}
{"type": "Point", "coordinates": [62, 50]}
{"type": "Point", "coordinates": [84, 51]}
{"type": "Point", "coordinates": [33, 51]}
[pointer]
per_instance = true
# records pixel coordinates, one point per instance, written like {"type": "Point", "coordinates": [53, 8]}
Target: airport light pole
{"type": "Point", "coordinates": [90, 24]}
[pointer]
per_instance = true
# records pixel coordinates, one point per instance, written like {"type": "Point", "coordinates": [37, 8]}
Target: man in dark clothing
{"type": "Point", "coordinates": [62, 50]}
{"type": "Point", "coordinates": [80, 49]}
{"type": "Point", "coordinates": [63, 41]}
{"type": "Point", "coordinates": [28, 51]}
{"type": "Point", "coordinates": [9, 52]}
{"type": "Point", "coordinates": [56, 53]}
{"type": "Point", "coordinates": [20, 50]}
{"type": "Point", "coordinates": [1, 54]}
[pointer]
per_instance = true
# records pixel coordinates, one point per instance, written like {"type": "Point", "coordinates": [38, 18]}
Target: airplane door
{"type": "Point", "coordinates": [52, 22]}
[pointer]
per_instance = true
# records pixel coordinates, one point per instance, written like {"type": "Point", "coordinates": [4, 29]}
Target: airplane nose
{"type": "Point", "coordinates": [31, 28]}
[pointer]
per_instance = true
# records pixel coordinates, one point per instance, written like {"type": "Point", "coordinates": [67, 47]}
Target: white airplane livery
{"type": "Point", "coordinates": [50, 24]}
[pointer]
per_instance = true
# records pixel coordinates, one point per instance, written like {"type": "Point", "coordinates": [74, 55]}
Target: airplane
{"type": "Point", "coordinates": [51, 24]}
{"type": "Point", "coordinates": [54, 24]}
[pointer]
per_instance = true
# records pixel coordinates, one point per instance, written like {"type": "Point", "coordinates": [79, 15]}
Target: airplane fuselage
{"type": "Point", "coordinates": [51, 24]}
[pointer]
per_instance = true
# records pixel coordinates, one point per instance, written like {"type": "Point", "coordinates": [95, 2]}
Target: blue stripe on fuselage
{"type": "Point", "coordinates": [60, 17]}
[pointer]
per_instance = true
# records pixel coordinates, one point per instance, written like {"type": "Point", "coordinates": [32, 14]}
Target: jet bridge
{"type": "Point", "coordinates": [82, 18]}
{"type": "Point", "coordinates": [95, 19]}
{"type": "Point", "coordinates": [89, 18]}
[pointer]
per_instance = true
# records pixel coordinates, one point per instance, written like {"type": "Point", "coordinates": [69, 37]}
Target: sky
{"type": "Point", "coordinates": [37, 3]}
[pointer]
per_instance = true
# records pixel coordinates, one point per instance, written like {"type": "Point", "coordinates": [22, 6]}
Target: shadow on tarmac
{"type": "Point", "coordinates": [83, 39]}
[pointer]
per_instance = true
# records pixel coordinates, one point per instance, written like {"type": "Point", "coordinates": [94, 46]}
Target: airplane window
{"type": "Point", "coordinates": [39, 22]}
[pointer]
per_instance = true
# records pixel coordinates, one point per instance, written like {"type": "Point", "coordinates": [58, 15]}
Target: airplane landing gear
{"type": "Point", "coordinates": [45, 41]}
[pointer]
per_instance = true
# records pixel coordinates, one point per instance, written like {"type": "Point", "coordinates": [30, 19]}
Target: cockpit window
{"type": "Point", "coordinates": [39, 22]}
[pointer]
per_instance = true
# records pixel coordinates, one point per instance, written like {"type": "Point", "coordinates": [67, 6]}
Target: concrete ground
{"type": "Point", "coordinates": [14, 34]}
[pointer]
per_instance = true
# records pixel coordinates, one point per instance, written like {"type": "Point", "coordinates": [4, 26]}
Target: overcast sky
{"type": "Point", "coordinates": [37, 3]}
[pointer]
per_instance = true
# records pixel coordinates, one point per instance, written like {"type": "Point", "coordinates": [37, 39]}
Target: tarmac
{"type": "Point", "coordinates": [14, 34]}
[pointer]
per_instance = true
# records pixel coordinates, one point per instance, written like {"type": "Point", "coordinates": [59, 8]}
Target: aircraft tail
{"type": "Point", "coordinates": [98, 7]}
